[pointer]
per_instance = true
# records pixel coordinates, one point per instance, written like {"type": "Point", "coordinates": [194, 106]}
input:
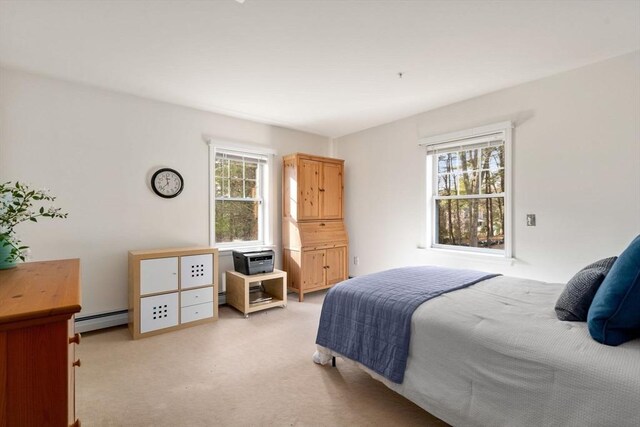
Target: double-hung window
{"type": "Point", "coordinates": [468, 190]}
{"type": "Point", "coordinates": [241, 197]}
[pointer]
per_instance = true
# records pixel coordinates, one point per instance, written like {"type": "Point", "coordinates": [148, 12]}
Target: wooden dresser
{"type": "Point", "coordinates": [38, 301]}
{"type": "Point", "coordinates": [314, 236]}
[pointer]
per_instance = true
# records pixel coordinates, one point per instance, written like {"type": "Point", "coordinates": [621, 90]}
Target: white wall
{"type": "Point", "coordinates": [96, 150]}
{"type": "Point", "coordinates": [576, 166]}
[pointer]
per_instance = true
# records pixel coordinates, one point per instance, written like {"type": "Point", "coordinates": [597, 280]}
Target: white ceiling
{"type": "Point", "coordinates": [328, 67]}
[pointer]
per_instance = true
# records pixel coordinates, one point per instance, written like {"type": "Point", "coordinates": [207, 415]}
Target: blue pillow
{"type": "Point", "coordinates": [614, 315]}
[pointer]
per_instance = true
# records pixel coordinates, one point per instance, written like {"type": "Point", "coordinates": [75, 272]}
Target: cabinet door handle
{"type": "Point", "coordinates": [320, 189]}
{"type": "Point", "coordinates": [75, 339]}
{"type": "Point", "coordinates": [322, 224]}
{"type": "Point", "coordinates": [76, 423]}
{"type": "Point", "coordinates": [76, 363]}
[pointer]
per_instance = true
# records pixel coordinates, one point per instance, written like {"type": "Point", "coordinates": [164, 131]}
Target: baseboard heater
{"type": "Point", "coordinates": [102, 320]}
{"type": "Point", "coordinates": [113, 318]}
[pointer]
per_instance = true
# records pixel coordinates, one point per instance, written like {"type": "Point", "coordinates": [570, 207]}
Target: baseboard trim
{"type": "Point", "coordinates": [114, 318]}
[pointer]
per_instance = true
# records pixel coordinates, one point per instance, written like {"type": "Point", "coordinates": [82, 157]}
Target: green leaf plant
{"type": "Point", "coordinates": [17, 202]}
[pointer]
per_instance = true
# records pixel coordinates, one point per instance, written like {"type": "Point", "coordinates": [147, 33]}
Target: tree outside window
{"type": "Point", "coordinates": [239, 197]}
{"type": "Point", "coordinates": [470, 198]}
{"type": "Point", "coordinates": [469, 191]}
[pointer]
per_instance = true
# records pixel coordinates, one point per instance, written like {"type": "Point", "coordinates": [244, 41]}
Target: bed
{"type": "Point", "coordinates": [494, 354]}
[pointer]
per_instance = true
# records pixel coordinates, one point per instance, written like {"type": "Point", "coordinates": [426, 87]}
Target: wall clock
{"type": "Point", "coordinates": [167, 183]}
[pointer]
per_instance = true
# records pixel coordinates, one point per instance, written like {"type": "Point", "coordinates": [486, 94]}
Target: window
{"type": "Point", "coordinates": [468, 190]}
{"type": "Point", "coordinates": [240, 197]}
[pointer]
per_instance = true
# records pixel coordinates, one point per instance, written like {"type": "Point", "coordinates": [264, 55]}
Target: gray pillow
{"type": "Point", "coordinates": [574, 302]}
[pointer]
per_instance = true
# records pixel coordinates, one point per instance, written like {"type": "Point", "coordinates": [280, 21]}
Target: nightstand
{"type": "Point", "coordinates": [249, 294]}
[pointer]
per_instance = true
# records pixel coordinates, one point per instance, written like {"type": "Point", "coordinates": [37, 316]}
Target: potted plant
{"type": "Point", "coordinates": [17, 205]}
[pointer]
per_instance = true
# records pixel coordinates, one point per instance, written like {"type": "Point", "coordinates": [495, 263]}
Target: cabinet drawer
{"type": "Point", "coordinates": [196, 312]}
{"type": "Point", "coordinates": [196, 296]}
{"type": "Point", "coordinates": [319, 233]}
{"type": "Point", "coordinates": [158, 275]}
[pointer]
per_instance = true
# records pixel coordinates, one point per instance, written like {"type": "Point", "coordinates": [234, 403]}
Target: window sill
{"type": "Point", "coordinates": [474, 256]}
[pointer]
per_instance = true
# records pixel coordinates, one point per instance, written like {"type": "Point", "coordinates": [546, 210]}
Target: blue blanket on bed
{"type": "Point", "coordinates": [368, 318]}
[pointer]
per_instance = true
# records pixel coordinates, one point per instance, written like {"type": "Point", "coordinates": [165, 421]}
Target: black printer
{"type": "Point", "coordinates": [254, 262]}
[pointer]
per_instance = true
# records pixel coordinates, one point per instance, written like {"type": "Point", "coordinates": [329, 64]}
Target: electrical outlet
{"type": "Point", "coordinates": [356, 260]}
{"type": "Point", "coordinates": [531, 220]}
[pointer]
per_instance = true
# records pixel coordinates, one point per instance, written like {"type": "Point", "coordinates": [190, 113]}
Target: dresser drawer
{"type": "Point", "coordinates": [196, 312]}
{"type": "Point", "coordinates": [196, 296]}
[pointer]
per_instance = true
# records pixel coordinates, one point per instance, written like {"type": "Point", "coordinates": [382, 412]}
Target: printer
{"type": "Point", "coordinates": [254, 262]}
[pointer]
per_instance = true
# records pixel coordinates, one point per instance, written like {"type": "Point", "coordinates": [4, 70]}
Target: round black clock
{"type": "Point", "coordinates": [167, 183]}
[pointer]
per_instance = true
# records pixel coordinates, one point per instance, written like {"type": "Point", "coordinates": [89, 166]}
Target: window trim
{"type": "Point", "coordinates": [268, 195]}
{"type": "Point", "coordinates": [457, 139]}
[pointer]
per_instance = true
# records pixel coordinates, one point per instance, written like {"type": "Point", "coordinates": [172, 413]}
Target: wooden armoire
{"type": "Point", "coordinates": [314, 237]}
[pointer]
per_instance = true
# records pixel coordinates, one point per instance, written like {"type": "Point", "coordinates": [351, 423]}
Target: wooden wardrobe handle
{"type": "Point", "coordinates": [76, 363]}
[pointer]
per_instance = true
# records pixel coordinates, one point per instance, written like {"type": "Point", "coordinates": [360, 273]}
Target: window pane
{"type": "Point", "coordinates": [222, 187]}
{"type": "Point", "coordinates": [236, 221]}
{"type": "Point", "coordinates": [468, 183]}
{"type": "Point", "coordinates": [492, 183]}
{"type": "Point", "coordinates": [491, 223]}
{"type": "Point", "coordinates": [493, 158]}
{"type": "Point", "coordinates": [222, 167]}
{"type": "Point", "coordinates": [469, 160]}
{"type": "Point", "coordinates": [447, 185]}
{"type": "Point", "coordinates": [471, 222]}
{"type": "Point", "coordinates": [235, 188]}
{"type": "Point", "coordinates": [236, 169]}
{"type": "Point", "coordinates": [452, 222]}
{"type": "Point", "coordinates": [250, 170]}
{"type": "Point", "coordinates": [250, 188]}
{"type": "Point", "coordinates": [447, 162]}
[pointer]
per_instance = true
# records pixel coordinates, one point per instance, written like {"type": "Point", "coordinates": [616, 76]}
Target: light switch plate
{"type": "Point", "coordinates": [531, 220]}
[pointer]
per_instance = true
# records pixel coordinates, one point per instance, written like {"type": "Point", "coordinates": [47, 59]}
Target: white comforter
{"type": "Point", "coordinates": [494, 354]}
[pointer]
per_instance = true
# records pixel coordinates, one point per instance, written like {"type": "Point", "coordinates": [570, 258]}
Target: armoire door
{"type": "Point", "coordinates": [308, 189]}
{"type": "Point", "coordinates": [313, 271]}
{"type": "Point", "coordinates": [331, 191]}
{"type": "Point", "coordinates": [336, 263]}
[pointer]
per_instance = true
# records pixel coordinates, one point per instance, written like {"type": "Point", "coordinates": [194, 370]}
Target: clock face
{"type": "Point", "coordinates": [167, 183]}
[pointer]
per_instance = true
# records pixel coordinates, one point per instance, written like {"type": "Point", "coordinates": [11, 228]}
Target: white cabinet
{"type": "Point", "coordinates": [172, 288]}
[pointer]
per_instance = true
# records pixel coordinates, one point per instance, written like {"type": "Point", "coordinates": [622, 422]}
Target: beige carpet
{"type": "Point", "coordinates": [233, 372]}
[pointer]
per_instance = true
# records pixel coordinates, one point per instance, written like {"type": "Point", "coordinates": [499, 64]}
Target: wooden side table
{"type": "Point", "coordinates": [274, 284]}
